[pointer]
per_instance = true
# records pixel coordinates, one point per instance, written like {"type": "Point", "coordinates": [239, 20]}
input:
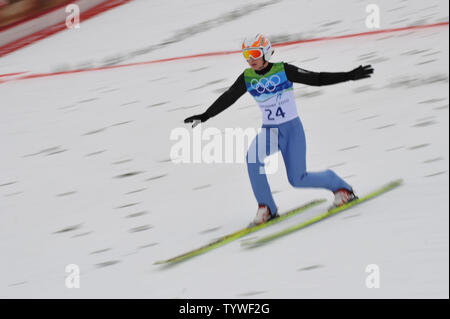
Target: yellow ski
{"type": "Point", "coordinates": [331, 212]}
{"type": "Point", "coordinates": [238, 234]}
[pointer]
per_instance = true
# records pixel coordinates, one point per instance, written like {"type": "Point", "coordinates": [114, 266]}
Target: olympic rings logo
{"type": "Point", "coordinates": [265, 84]}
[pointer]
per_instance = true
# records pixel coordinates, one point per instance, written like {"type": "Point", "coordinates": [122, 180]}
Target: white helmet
{"type": "Point", "coordinates": [254, 47]}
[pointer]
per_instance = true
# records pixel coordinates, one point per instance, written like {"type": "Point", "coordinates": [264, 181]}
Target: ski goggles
{"type": "Point", "coordinates": [254, 53]}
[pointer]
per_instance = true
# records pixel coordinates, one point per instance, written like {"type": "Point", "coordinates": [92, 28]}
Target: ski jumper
{"type": "Point", "coordinates": [282, 130]}
{"type": "Point", "coordinates": [274, 94]}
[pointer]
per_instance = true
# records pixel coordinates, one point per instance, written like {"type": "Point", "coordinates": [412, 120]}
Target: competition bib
{"type": "Point", "coordinates": [274, 94]}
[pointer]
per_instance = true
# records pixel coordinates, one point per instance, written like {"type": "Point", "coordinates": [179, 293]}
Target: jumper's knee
{"type": "Point", "coordinates": [297, 180]}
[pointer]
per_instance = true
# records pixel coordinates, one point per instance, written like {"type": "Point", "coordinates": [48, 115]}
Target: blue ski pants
{"type": "Point", "coordinates": [289, 138]}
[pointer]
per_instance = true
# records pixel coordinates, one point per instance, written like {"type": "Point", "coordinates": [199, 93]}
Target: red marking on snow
{"type": "Point", "coordinates": [42, 34]}
{"type": "Point", "coordinates": [11, 74]}
{"type": "Point", "coordinates": [346, 36]}
{"type": "Point", "coordinates": [42, 75]}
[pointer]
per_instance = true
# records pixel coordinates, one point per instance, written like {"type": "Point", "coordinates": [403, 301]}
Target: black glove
{"type": "Point", "coordinates": [201, 117]}
{"type": "Point", "coordinates": [361, 72]}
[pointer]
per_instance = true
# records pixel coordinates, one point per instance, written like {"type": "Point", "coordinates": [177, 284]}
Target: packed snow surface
{"type": "Point", "coordinates": [87, 178]}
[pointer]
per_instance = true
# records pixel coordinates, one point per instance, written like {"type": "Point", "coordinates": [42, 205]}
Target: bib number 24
{"type": "Point", "coordinates": [279, 112]}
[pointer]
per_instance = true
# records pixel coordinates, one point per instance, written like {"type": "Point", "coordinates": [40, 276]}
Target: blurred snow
{"type": "Point", "coordinates": [86, 178]}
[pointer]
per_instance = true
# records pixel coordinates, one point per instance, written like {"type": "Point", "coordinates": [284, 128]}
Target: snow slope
{"type": "Point", "coordinates": [86, 176]}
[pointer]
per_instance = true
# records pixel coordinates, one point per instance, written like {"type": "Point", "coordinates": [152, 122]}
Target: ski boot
{"type": "Point", "coordinates": [263, 215]}
{"type": "Point", "coordinates": [343, 196]}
